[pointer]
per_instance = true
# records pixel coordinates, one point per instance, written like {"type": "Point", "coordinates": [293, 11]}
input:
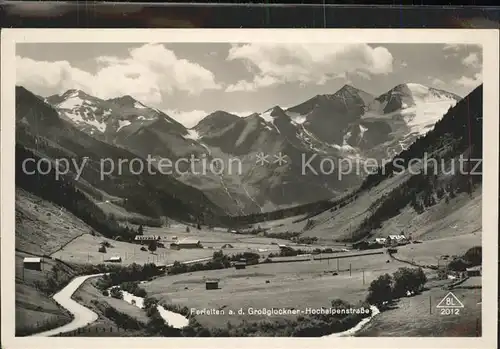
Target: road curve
{"type": "Point", "coordinates": [82, 316]}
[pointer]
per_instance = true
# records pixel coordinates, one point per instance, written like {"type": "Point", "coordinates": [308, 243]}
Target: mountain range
{"type": "Point", "coordinates": [348, 124]}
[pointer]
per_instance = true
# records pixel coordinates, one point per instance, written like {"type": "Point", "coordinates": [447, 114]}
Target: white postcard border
{"type": "Point", "coordinates": [488, 38]}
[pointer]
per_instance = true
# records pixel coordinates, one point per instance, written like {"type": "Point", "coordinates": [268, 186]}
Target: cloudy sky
{"type": "Point", "coordinates": [190, 80]}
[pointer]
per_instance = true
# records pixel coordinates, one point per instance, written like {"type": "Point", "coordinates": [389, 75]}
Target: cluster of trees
{"type": "Point", "coordinates": [250, 257]}
{"type": "Point", "coordinates": [116, 292]}
{"type": "Point", "coordinates": [288, 252]}
{"type": "Point", "coordinates": [131, 273]}
{"type": "Point", "coordinates": [58, 277]}
{"type": "Point", "coordinates": [471, 258]}
{"type": "Point", "coordinates": [219, 261]}
{"type": "Point", "coordinates": [386, 288]}
{"type": "Point", "coordinates": [121, 319]}
{"type": "Point", "coordinates": [133, 288]}
{"type": "Point", "coordinates": [308, 240]}
{"type": "Point", "coordinates": [287, 235]}
{"type": "Point", "coordinates": [63, 193]}
{"type": "Point", "coordinates": [156, 325]}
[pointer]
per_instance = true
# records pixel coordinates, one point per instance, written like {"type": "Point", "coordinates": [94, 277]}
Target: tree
{"type": "Point", "coordinates": [187, 229]}
{"type": "Point", "coordinates": [140, 230]}
{"type": "Point", "coordinates": [380, 290]}
{"type": "Point", "coordinates": [457, 264]}
{"type": "Point", "coordinates": [474, 256]}
{"type": "Point", "coordinates": [153, 245]}
{"type": "Point", "coordinates": [102, 249]}
{"type": "Point", "coordinates": [408, 280]}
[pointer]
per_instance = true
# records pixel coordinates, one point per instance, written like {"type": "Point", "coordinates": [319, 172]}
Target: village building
{"type": "Point", "coordinates": [115, 259]}
{"type": "Point", "coordinates": [474, 271]}
{"type": "Point", "coordinates": [32, 263]}
{"type": "Point", "coordinates": [146, 238]}
{"type": "Point", "coordinates": [211, 284]}
{"type": "Point", "coordinates": [396, 240]}
{"type": "Point", "coordinates": [240, 265]}
{"type": "Point", "coordinates": [186, 243]}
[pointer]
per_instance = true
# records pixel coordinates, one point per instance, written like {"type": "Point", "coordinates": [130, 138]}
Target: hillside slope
{"type": "Point", "coordinates": [40, 130]}
{"type": "Point", "coordinates": [413, 194]}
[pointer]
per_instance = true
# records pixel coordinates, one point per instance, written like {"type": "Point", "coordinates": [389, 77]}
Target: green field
{"type": "Point", "coordinates": [296, 285]}
{"type": "Point", "coordinates": [418, 316]}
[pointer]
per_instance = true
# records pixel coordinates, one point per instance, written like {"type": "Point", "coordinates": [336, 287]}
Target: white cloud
{"type": "Point", "coordinates": [472, 60]}
{"type": "Point", "coordinates": [193, 117]}
{"type": "Point", "coordinates": [437, 82]}
{"type": "Point", "coordinates": [459, 47]}
{"type": "Point", "coordinates": [469, 82]}
{"type": "Point", "coordinates": [259, 81]}
{"type": "Point", "coordinates": [453, 50]}
{"type": "Point", "coordinates": [452, 47]}
{"type": "Point", "coordinates": [145, 74]}
{"type": "Point", "coordinates": [307, 63]}
{"type": "Point", "coordinates": [363, 75]}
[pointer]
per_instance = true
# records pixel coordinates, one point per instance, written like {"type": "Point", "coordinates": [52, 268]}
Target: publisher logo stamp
{"type": "Point", "coordinates": [450, 305]}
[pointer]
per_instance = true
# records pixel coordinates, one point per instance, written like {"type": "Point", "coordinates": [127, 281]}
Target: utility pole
{"type": "Point", "coordinates": [338, 264]}
{"type": "Point", "coordinates": [350, 269]}
{"type": "Point", "coordinates": [430, 305]}
{"type": "Point", "coordinates": [363, 276]}
{"type": "Point", "coordinates": [470, 148]}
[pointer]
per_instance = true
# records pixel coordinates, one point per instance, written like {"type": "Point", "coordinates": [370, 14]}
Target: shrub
{"type": "Point", "coordinates": [407, 279]}
{"type": "Point", "coordinates": [380, 290]}
{"type": "Point", "coordinates": [116, 293]}
{"type": "Point", "coordinates": [122, 320]}
{"type": "Point", "coordinates": [474, 256]}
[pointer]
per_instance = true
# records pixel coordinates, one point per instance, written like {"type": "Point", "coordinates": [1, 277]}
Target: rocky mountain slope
{"type": "Point", "coordinates": [348, 124]}
{"type": "Point", "coordinates": [427, 200]}
{"type": "Point", "coordinates": [42, 133]}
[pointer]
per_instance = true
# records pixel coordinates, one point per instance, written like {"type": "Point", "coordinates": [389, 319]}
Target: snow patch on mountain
{"type": "Point", "coordinates": [143, 118]}
{"type": "Point", "coordinates": [266, 116]}
{"type": "Point", "coordinates": [362, 131]}
{"type": "Point", "coordinates": [71, 102]}
{"type": "Point", "coordinates": [77, 118]}
{"type": "Point", "coordinates": [346, 147]}
{"type": "Point", "coordinates": [297, 119]}
{"type": "Point", "coordinates": [430, 106]}
{"type": "Point", "coordinates": [139, 105]}
{"type": "Point", "coordinates": [122, 124]}
{"type": "Point", "coordinates": [193, 134]}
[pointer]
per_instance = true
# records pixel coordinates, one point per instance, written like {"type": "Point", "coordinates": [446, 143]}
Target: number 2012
{"type": "Point", "coordinates": [450, 311]}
